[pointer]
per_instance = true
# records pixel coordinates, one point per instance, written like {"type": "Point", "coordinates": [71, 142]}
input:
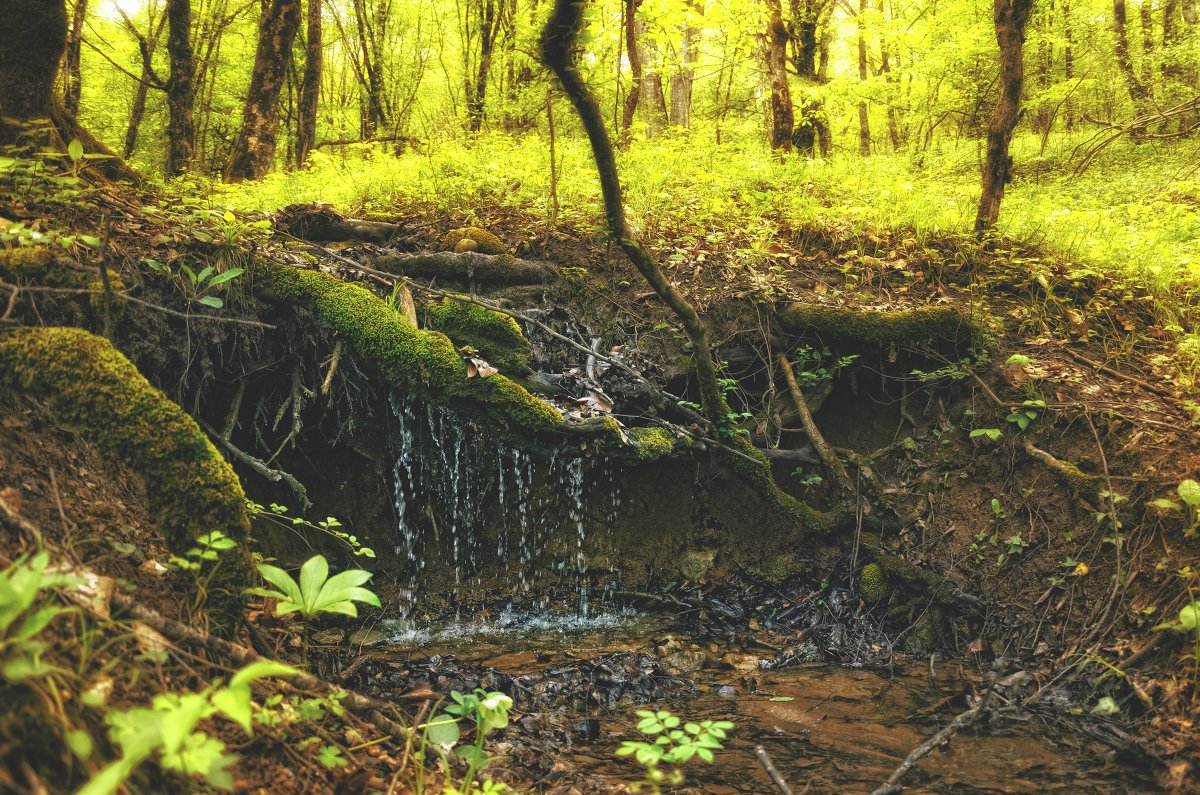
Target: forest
{"type": "Point", "coordinates": [599, 396]}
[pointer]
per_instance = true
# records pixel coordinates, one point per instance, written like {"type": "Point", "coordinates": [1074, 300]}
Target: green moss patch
{"type": "Point", "coordinates": [191, 489]}
{"type": "Point", "coordinates": [484, 241]}
{"type": "Point", "coordinates": [872, 584]}
{"type": "Point", "coordinates": [495, 335]}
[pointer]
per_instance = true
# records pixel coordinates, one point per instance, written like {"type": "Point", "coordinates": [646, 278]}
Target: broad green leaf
{"type": "Point", "coordinates": [220, 278]}
{"type": "Point", "coordinates": [261, 669]}
{"type": "Point", "coordinates": [1189, 616]}
{"type": "Point", "coordinates": [75, 149]}
{"type": "Point", "coordinates": [280, 579]}
{"type": "Point", "coordinates": [213, 301]}
{"type": "Point", "coordinates": [313, 575]}
{"type": "Point", "coordinates": [1189, 492]}
{"type": "Point", "coordinates": [443, 730]}
{"type": "Point", "coordinates": [234, 702]}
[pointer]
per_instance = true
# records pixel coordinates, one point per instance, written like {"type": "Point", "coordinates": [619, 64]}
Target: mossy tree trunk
{"type": "Point", "coordinates": [310, 86]}
{"type": "Point", "coordinates": [255, 147]}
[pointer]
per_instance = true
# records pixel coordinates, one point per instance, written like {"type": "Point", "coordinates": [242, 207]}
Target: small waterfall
{"type": "Point", "coordinates": [474, 504]}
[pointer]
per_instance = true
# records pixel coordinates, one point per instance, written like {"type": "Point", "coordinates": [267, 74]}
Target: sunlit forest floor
{"type": "Point", "coordinates": [1101, 262]}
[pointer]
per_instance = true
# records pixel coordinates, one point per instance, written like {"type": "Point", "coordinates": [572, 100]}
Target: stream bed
{"type": "Point", "coordinates": [829, 728]}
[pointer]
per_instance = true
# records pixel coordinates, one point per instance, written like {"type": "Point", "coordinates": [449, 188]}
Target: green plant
{"type": "Point", "coordinates": [992, 433]}
{"type": "Point", "coordinates": [1188, 491]}
{"type": "Point", "coordinates": [168, 728]}
{"type": "Point", "coordinates": [672, 746]}
{"type": "Point", "coordinates": [1016, 545]}
{"type": "Point", "coordinates": [329, 526]}
{"type": "Point", "coordinates": [20, 586]}
{"type": "Point", "coordinates": [1027, 413]}
{"type": "Point", "coordinates": [489, 710]}
{"type": "Point", "coordinates": [202, 560]}
{"type": "Point", "coordinates": [196, 287]}
{"type": "Point", "coordinates": [315, 592]}
{"type": "Point", "coordinates": [1188, 623]}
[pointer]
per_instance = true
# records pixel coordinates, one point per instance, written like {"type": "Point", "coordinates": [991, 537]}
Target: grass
{"type": "Point", "coordinates": [1134, 216]}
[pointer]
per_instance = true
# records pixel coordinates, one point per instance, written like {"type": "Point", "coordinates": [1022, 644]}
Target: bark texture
{"type": "Point", "coordinates": [1010, 18]}
{"type": "Point", "coordinates": [782, 118]}
{"type": "Point", "coordinates": [1137, 91]}
{"type": "Point", "coordinates": [635, 70]}
{"type": "Point", "coordinates": [310, 86]}
{"type": "Point", "coordinates": [74, 86]}
{"type": "Point", "coordinates": [181, 126]}
{"type": "Point", "coordinates": [255, 148]}
{"type": "Point", "coordinates": [33, 36]}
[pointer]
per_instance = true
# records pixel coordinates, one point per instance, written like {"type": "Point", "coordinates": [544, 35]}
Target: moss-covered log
{"type": "Point", "coordinates": [191, 489]}
{"type": "Point", "coordinates": [925, 324]}
{"type": "Point", "coordinates": [494, 335]}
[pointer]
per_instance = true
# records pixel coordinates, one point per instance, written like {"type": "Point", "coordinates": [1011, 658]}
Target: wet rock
{"type": "Point", "coordinates": [741, 662]}
{"type": "Point", "coordinates": [685, 662]}
{"type": "Point", "coordinates": [328, 637]}
{"type": "Point", "coordinates": [366, 637]}
{"type": "Point", "coordinates": [694, 564]}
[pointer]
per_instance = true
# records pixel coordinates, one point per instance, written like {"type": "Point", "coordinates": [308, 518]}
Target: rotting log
{"type": "Point", "coordinates": [466, 267]}
{"type": "Point", "coordinates": [924, 324]}
{"type": "Point", "coordinates": [321, 223]}
{"type": "Point", "coordinates": [190, 488]}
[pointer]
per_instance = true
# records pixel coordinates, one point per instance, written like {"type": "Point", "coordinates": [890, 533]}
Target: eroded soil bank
{"type": "Point", "coordinates": [1005, 483]}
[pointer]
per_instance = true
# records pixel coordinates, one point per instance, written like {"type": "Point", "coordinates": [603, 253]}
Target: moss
{"type": "Point", "coordinates": [941, 323]}
{"type": "Point", "coordinates": [485, 241]}
{"type": "Point", "coordinates": [1081, 484]}
{"type": "Point", "coordinates": [190, 488]}
{"type": "Point", "coordinates": [422, 363]}
{"type": "Point", "coordinates": [116, 303]}
{"type": "Point", "coordinates": [871, 583]}
{"type": "Point", "coordinates": [651, 444]}
{"type": "Point", "coordinates": [495, 335]}
{"type": "Point", "coordinates": [25, 262]}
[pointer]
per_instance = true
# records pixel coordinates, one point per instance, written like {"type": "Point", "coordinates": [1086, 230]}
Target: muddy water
{"type": "Point", "coordinates": [828, 729]}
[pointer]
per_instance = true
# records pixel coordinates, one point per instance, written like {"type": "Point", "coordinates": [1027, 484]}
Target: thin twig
{"type": "Point", "coordinates": [273, 475]}
{"type": "Point", "coordinates": [765, 760]}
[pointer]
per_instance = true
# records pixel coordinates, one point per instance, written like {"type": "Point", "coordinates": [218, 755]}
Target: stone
{"type": "Point", "coordinates": [365, 637]}
{"type": "Point", "coordinates": [694, 564]}
{"type": "Point", "coordinates": [328, 637]}
{"type": "Point", "coordinates": [685, 662]}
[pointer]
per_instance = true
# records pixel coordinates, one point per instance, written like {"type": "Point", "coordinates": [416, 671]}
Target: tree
{"type": "Point", "coordinates": [782, 119]}
{"type": "Point", "coordinates": [811, 127]}
{"type": "Point", "coordinates": [74, 87]}
{"type": "Point", "coordinates": [181, 128]}
{"type": "Point", "coordinates": [629, 27]}
{"type": "Point", "coordinates": [33, 37]}
{"type": "Point", "coordinates": [255, 148]}
{"type": "Point", "coordinates": [310, 86]}
{"type": "Point", "coordinates": [1010, 18]}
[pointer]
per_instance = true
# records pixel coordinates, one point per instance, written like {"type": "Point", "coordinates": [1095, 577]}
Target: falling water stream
{"type": "Point", "coordinates": [468, 502]}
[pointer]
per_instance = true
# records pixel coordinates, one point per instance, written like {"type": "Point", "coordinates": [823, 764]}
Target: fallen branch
{"type": "Point", "coordinates": [1116, 373]}
{"type": "Point", "coordinates": [966, 719]}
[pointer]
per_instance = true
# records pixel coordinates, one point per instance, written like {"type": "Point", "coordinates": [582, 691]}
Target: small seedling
{"type": "Point", "coordinates": [672, 745]}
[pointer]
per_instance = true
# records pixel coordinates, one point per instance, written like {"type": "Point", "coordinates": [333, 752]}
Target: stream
{"type": "Point", "coordinates": [828, 728]}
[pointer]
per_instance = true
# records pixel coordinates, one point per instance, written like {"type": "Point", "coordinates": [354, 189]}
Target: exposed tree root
{"type": "Point", "coordinates": [818, 441]}
{"type": "Point", "coordinates": [1083, 485]}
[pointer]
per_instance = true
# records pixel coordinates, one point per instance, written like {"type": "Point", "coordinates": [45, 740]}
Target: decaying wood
{"type": "Point", "coordinates": [259, 466]}
{"type": "Point", "coordinates": [465, 268]}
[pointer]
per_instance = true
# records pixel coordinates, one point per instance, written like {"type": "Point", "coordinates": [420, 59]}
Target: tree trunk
{"type": "Point", "coordinates": [811, 124]}
{"type": "Point", "coordinates": [782, 118]}
{"type": "Point", "coordinates": [654, 104]}
{"type": "Point", "coordinates": [1146, 14]}
{"type": "Point", "coordinates": [374, 114]}
{"type": "Point", "coordinates": [310, 88]}
{"type": "Point", "coordinates": [1068, 60]}
{"type": "Point", "coordinates": [635, 71]}
{"type": "Point", "coordinates": [255, 147]}
{"type": "Point", "coordinates": [885, 69]}
{"type": "Point", "coordinates": [864, 116]}
{"type": "Point", "coordinates": [489, 26]}
{"type": "Point", "coordinates": [74, 58]}
{"type": "Point", "coordinates": [1137, 91]}
{"type": "Point", "coordinates": [146, 47]}
{"type": "Point", "coordinates": [33, 36]}
{"type": "Point", "coordinates": [1010, 17]}
{"type": "Point", "coordinates": [681, 80]}
{"type": "Point", "coordinates": [181, 128]}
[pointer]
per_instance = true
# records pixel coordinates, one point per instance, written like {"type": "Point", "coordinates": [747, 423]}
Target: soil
{"type": "Point", "coordinates": [1068, 601]}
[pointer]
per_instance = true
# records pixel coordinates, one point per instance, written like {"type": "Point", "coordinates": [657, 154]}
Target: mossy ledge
{"type": "Point", "coordinates": [495, 335]}
{"type": "Point", "coordinates": [927, 323]}
{"type": "Point", "coordinates": [190, 488]}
